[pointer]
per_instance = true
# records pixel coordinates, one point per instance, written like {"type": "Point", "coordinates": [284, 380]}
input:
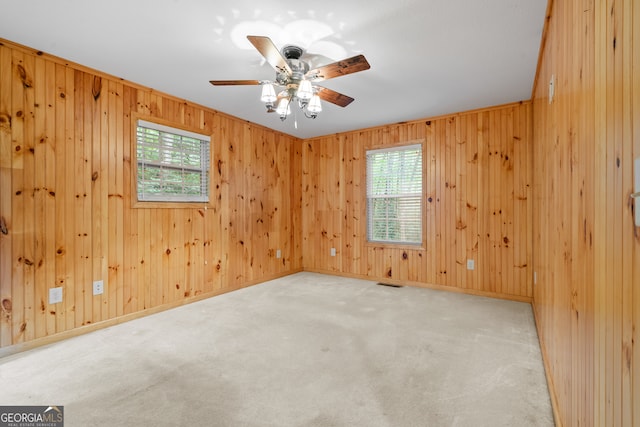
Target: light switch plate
{"type": "Point", "coordinates": [471, 265]}
{"type": "Point", "coordinates": [55, 295]}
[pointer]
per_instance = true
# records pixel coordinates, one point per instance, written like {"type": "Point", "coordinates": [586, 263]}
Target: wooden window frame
{"type": "Point", "coordinates": [173, 204]}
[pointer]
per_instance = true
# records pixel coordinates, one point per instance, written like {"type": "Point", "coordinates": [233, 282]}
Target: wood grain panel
{"type": "Point", "coordinates": [6, 218]}
{"type": "Point", "coordinates": [67, 216]}
{"type": "Point", "coordinates": [471, 175]}
{"type": "Point", "coordinates": [585, 243]}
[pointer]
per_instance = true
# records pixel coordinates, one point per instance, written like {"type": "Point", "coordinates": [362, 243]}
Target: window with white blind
{"type": "Point", "coordinates": [173, 164]}
{"type": "Point", "coordinates": [394, 195]}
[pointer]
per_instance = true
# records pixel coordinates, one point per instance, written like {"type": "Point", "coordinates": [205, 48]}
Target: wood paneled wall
{"type": "Point", "coordinates": [586, 248]}
{"type": "Point", "coordinates": [478, 203]}
{"type": "Point", "coordinates": [66, 215]}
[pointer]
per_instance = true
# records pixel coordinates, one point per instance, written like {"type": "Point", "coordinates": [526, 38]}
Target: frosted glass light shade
{"type": "Point", "coordinates": [314, 104]}
{"type": "Point", "coordinates": [268, 94]}
{"type": "Point", "coordinates": [305, 90]}
{"type": "Point", "coordinates": [283, 107]}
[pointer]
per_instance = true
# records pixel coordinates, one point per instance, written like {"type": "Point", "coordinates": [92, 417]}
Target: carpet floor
{"type": "Point", "coordinates": [304, 350]}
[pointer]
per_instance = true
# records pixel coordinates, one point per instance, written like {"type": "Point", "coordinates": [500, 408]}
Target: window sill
{"type": "Point", "coordinates": [170, 205]}
{"type": "Point", "coordinates": [403, 246]}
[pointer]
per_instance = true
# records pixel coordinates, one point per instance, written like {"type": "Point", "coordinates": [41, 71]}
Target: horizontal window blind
{"type": "Point", "coordinates": [394, 194]}
{"type": "Point", "coordinates": [173, 164]}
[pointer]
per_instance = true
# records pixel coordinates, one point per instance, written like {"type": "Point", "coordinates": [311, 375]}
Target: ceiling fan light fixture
{"type": "Point", "coordinates": [283, 109]}
{"type": "Point", "coordinates": [297, 80]}
{"type": "Point", "coordinates": [305, 90]}
{"type": "Point", "coordinates": [268, 94]}
{"type": "Point", "coordinates": [314, 106]}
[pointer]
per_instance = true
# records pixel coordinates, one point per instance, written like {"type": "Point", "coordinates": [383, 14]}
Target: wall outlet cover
{"type": "Point", "coordinates": [98, 287]}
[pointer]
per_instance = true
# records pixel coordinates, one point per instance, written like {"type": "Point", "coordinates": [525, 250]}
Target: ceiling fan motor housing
{"type": "Point", "coordinates": [292, 52]}
{"type": "Point", "coordinates": [298, 67]}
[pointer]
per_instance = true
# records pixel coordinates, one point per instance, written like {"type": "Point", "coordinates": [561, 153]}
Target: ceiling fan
{"type": "Point", "coordinates": [295, 81]}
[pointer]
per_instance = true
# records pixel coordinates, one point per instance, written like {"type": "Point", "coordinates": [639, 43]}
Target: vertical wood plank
{"type": "Point", "coordinates": [63, 246]}
{"type": "Point", "coordinates": [30, 260]}
{"type": "Point", "coordinates": [71, 200]}
{"type": "Point", "coordinates": [484, 260]}
{"type": "Point", "coordinates": [430, 194]}
{"type": "Point", "coordinates": [507, 196]}
{"type": "Point", "coordinates": [6, 238]}
{"type": "Point", "coordinates": [635, 260]}
{"type": "Point", "coordinates": [131, 291]}
{"type": "Point", "coordinates": [471, 198]}
{"type": "Point", "coordinates": [42, 252]}
{"type": "Point", "coordinates": [51, 200]}
{"type": "Point", "coordinates": [19, 200]}
{"type": "Point", "coordinates": [99, 195]}
{"type": "Point", "coordinates": [80, 229]}
{"type": "Point", "coordinates": [624, 101]}
{"type": "Point", "coordinates": [85, 128]}
{"type": "Point", "coordinates": [450, 201]}
{"type": "Point", "coordinates": [441, 228]}
{"type": "Point", "coordinates": [460, 200]}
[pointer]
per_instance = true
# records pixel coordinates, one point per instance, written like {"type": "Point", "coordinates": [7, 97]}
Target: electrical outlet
{"type": "Point", "coordinates": [333, 251]}
{"type": "Point", "coordinates": [471, 265]}
{"type": "Point", "coordinates": [98, 287]}
{"type": "Point", "coordinates": [278, 253]}
{"type": "Point", "coordinates": [535, 278]}
{"type": "Point", "coordinates": [55, 295]}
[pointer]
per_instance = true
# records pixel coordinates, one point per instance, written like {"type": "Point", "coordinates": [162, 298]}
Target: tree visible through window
{"type": "Point", "coordinates": [173, 164]}
{"type": "Point", "coordinates": [394, 194]}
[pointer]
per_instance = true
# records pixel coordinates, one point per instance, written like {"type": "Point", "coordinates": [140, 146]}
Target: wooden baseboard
{"type": "Point", "coordinates": [547, 370]}
{"type": "Point", "coordinates": [39, 342]}
{"type": "Point", "coordinates": [509, 297]}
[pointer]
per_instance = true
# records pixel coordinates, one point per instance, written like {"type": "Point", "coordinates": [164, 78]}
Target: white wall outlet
{"type": "Point", "coordinates": [471, 264]}
{"type": "Point", "coordinates": [535, 278]}
{"type": "Point", "coordinates": [552, 88]}
{"type": "Point", "coordinates": [333, 251]}
{"type": "Point", "coordinates": [55, 295]}
{"type": "Point", "coordinates": [98, 287]}
{"type": "Point", "coordinates": [278, 253]}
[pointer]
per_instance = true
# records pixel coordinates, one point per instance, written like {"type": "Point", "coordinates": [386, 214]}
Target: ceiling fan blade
{"type": "Point", "coordinates": [334, 97]}
{"type": "Point", "coordinates": [271, 53]}
{"type": "Point", "coordinates": [235, 82]}
{"type": "Point", "coordinates": [339, 68]}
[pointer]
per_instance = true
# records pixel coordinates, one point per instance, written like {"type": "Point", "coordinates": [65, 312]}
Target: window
{"type": "Point", "coordinates": [394, 195]}
{"type": "Point", "coordinates": [173, 164]}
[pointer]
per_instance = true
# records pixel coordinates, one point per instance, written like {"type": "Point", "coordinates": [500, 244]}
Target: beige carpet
{"type": "Point", "coordinates": [304, 350]}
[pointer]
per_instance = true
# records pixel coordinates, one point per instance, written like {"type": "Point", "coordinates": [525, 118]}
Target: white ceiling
{"type": "Point", "coordinates": [428, 57]}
